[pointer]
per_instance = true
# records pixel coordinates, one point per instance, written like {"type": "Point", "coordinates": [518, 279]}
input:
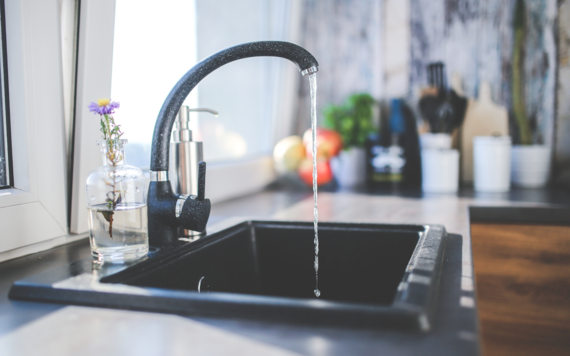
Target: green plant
{"type": "Point", "coordinates": [518, 102]}
{"type": "Point", "coordinates": [352, 120]}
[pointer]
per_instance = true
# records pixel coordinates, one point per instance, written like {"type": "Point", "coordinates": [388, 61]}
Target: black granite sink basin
{"type": "Point", "coordinates": [369, 275]}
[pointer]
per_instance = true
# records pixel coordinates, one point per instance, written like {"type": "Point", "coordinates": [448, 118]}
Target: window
{"type": "Point", "coordinates": [242, 91]}
{"type": "Point", "coordinates": [33, 208]}
{"type": "Point", "coordinates": [147, 62]}
{"type": "Point", "coordinates": [136, 51]}
{"type": "Point", "coordinates": [39, 78]}
{"type": "Point", "coordinates": [139, 61]}
{"type": "Point", "coordinates": [4, 132]}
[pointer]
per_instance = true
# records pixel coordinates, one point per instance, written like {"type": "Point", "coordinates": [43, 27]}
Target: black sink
{"type": "Point", "coordinates": [369, 275]}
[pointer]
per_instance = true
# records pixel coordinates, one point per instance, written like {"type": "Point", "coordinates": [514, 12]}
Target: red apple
{"type": "Point", "coordinates": [329, 143]}
{"type": "Point", "coordinates": [324, 172]}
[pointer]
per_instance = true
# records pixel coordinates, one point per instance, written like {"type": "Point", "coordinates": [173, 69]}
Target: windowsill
{"type": "Point", "coordinates": [234, 161]}
{"type": "Point", "coordinates": [14, 196]}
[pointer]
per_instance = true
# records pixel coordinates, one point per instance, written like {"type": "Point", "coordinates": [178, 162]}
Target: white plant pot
{"type": "Point", "coordinates": [530, 166]}
{"type": "Point", "coordinates": [349, 167]}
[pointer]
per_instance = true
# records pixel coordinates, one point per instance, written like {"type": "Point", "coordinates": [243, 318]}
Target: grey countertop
{"type": "Point", "coordinates": [70, 330]}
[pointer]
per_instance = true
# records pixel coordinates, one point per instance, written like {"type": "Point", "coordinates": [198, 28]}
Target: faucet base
{"type": "Point", "coordinates": [163, 222]}
{"type": "Point", "coordinates": [162, 227]}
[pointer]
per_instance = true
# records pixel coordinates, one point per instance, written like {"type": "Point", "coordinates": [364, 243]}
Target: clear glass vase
{"type": "Point", "coordinates": [116, 199]}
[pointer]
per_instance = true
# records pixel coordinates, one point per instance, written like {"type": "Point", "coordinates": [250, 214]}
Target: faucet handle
{"type": "Point", "coordinates": [201, 180]}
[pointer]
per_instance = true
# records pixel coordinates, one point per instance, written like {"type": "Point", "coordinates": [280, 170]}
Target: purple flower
{"type": "Point", "coordinates": [104, 107]}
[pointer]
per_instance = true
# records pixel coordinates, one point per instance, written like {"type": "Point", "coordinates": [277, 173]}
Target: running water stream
{"type": "Point", "coordinates": [313, 83]}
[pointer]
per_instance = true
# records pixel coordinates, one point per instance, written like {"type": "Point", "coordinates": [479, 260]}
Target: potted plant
{"type": "Point", "coordinates": [353, 121]}
{"type": "Point", "coordinates": [530, 162]}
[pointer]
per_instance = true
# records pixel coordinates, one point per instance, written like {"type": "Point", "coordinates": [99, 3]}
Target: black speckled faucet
{"type": "Point", "coordinates": [166, 210]}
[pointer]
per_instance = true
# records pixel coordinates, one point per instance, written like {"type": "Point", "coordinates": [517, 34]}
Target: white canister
{"type": "Point", "coordinates": [435, 140]}
{"type": "Point", "coordinates": [530, 166]}
{"type": "Point", "coordinates": [492, 163]}
{"type": "Point", "coordinates": [440, 171]}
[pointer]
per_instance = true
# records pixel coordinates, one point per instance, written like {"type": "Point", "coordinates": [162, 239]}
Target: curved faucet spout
{"type": "Point", "coordinates": [168, 211]}
{"type": "Point", "coordinates": [305, 61]}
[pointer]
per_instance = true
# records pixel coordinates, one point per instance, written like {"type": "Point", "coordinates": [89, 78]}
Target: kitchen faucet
{"type": "Point", "coordinates": [167, 211]}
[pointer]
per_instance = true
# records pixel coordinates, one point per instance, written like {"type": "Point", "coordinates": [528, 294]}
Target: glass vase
{"type": "Point", "coordinates": [116, 199]}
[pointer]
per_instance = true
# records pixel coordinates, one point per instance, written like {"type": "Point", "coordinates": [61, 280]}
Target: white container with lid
{"type": "Point", "coordinates": [492, 163]}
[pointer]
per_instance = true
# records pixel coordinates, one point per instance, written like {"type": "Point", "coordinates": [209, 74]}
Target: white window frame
{"type": "Point", "coordinates": [33, 212]}
{"type": "Point", "coordinates": [94, 70]}
{"type": "Point", "coordinates": [95, 53]}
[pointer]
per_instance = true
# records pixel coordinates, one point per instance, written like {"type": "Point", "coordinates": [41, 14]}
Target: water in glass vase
{"type": "Point", "coordinates": [118, 235]}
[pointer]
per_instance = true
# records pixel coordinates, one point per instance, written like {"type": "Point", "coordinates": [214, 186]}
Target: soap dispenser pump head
{"type": "Point", "coordinates": [182, 132]}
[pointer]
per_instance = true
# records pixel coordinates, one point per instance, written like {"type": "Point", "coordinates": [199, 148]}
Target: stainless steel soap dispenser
{"type": "Point", "coordinates": [185, 156]}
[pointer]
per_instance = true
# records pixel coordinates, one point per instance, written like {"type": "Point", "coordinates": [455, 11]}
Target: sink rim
{"type": "Point", "coordinates": [413, 306]}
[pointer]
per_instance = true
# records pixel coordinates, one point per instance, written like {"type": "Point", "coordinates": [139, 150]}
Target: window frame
{"type": "Point", "coordinates": [93, 81]}
{"type": "Point", "coordinates": [33, 209]}
{"type": "Point", "coordinates": [4, 93]}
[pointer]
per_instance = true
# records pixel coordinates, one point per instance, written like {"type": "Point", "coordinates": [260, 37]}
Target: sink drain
{"type": "Point", "coordinates": [203, 285]}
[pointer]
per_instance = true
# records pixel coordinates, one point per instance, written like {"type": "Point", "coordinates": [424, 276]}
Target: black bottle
{"type": "Point", "coordinates": [394, 154]}
{"type": "Point", "coordinates": [372, 146]}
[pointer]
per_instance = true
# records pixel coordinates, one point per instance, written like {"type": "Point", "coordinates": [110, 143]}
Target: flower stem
{"type": "Point", "coordinates": [111, 133]}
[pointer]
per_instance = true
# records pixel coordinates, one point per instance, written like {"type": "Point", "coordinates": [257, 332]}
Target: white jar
{"type": "Point", "coordinates": [492, 163]}
{"type": "Point", "coordinates": [440, 171]}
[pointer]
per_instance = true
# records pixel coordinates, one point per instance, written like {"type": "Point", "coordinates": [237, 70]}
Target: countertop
{"type": "Point", "coordinates": [70, 330]}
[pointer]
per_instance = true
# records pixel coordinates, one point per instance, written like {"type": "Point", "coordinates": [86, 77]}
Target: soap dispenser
{"type": "Point", "coordinates": [185, 156]}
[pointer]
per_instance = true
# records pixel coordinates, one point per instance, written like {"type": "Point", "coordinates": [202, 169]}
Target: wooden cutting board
{"type": "Point", "coordinates": [482, 118]}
